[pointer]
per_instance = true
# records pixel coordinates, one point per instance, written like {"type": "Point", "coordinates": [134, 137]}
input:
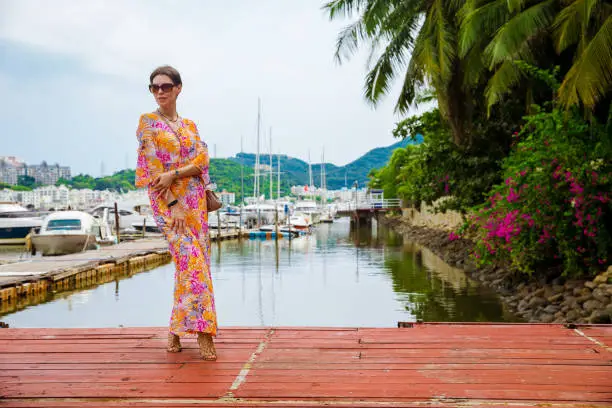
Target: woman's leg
{"type": "Point", "coordinates": [174, 343]}
{"type": "Point", "coordinates": [207, 346]}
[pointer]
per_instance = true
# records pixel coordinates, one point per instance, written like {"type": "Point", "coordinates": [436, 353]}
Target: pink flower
{"type": "Point", "coordinates": [512, 196]}
{"type": "Point", "coordinates": [453, 237]}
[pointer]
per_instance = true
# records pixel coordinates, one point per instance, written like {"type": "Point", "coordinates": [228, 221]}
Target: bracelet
{"type": "Point", "coordinates": [176, 173]}
{"type": "Point", "coordinates": [173, 202]}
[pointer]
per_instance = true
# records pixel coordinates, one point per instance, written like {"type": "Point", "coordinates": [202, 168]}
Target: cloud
{"type": "Point", "coordinates": [82, 67]}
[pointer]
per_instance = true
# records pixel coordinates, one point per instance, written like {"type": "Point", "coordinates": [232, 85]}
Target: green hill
{"type": "Point", "coordinates": [226, 173]}
{"type": "Point", "coordinates": [295, 171]}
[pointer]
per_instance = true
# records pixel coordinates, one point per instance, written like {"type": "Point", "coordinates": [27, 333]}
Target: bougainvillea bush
{"type": "Point", "coordinates": [554, 206]}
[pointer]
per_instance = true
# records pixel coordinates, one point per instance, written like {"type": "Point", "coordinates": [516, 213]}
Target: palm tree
{"type": "Point", "coordinates": [418, 41]}
{"type": "Point", "coordinates": [538, 32]}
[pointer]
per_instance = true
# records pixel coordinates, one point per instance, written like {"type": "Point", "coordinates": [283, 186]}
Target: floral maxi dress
{"type": "Point", "coordinates": [160, 150]}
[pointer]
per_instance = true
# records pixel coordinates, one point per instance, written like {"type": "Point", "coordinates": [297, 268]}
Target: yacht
{"type": "Point", "coordinates": [309, 209]}
{"type": "Point", "coordinates": [132, 216]}
{"type": "Point", "coordinates": [67, 232]}
{"type": "Point", "coordinates": [16, 222]}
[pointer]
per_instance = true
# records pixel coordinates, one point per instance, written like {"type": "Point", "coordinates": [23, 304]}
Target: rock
{"type": "Point", "coordinates": [523, 305]}
{"type": "Point", "coordinates": [546, 318]}
{"type": "Point", "coordinates": [552, 309]}
{"type": "Point", "coordinates": [577, 291]}
{"type": "Point", "coordinates": [539, 292]}
{"type": "Point", "coordinates": [558, 288]}
{"type": "Point", "coordinates": [559, 314]}
{"type": "Point", "coordinates": [600, 317]}
{"type": "Point", "coordinates": [602, 278]}
{"type": "Point", "coordinates": [601, 295]}
{"type": "Point", "coordinates": [555, 298]}
{"type": "Point", "coordinates": [591, 305]}
{"type": "Point", "coordinates": [571, 302]}
{"type": "Point", "coordinates": [572, 316]}
{"type": "Point", "coordinates": [536, 301]}
{"type": "Point", "coordinates": [590, 285]}
{"type": "Point", "coordinates": [584, 298]}
{"type": "Point", "coordinates": [607, 288]}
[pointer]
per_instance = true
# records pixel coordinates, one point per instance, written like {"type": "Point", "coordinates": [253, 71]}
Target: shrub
{"type": "Point", "coordinates": [554, 206]}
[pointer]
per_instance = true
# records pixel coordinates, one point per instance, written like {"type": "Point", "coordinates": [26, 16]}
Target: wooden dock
{"type": "Point", "coordinates": [30, 279]}
{"type": "Point", "coordinates": [427, 365]}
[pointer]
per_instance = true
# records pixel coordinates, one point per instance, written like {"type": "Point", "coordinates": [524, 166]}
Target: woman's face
{"type": "Point", "coordinates": [164, 91]}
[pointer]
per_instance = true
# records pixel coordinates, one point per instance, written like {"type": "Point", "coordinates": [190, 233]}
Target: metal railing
{"type": "Point", "coordinates": [370, 204]}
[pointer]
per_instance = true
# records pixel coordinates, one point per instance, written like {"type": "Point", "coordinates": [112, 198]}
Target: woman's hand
{"type": "Point", "coordinates": [178, 219]}
{"type": "Point", "coordinates": [163, 182]}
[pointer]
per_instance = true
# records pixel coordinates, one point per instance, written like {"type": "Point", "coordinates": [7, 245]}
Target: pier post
{"type": "Point", "coordinates": [117, 223]}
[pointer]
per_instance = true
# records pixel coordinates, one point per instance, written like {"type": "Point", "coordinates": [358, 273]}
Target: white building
{"type": "Point", "coordinates": [227, 198]}
{"type": "Point", "coordinates": [11, 168]}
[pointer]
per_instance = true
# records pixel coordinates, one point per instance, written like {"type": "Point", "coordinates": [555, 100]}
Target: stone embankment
{"type": "Point", "coordinates": [546, 299]}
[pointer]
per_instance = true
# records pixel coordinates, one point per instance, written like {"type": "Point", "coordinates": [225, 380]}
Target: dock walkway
{"type": "Point", "coordinates": [36, 276]}
{"type": "Point", "coordinates": [427, 365]}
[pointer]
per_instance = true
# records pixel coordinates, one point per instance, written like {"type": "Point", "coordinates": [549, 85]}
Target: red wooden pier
{"type": "Point", "coordinates": [428, 365]}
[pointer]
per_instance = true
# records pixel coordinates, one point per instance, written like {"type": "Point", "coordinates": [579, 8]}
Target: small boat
{"type": "Point", "coordinates": [132, 216]}
{"type": "Point", "coordinates": [326, 217]}
{"type": "Point", "coordinates": [300, 221]}
{"type": "Point", "coordinates": [67, 232]}
{"type": "Point", "coordinates": [16, 222]}
{"type": "Point", "coordinates": [308, 208]}
{"type": "Point", "coordinates": [284, 229]}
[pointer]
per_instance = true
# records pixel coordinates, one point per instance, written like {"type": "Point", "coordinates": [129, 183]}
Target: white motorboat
{"type": "Point", "coordinates": [300, 221]}
{"type": "Point", "coordinates": [67, 232]}
{"type": "Point", "coordinates": [16, 222]}
{"type": "Point", "coordinates": [132, 216]}
{"type": "Point", "coordinates": [308, 208]}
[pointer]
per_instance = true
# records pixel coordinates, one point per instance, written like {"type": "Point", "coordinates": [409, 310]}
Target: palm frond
{"type": "Point", "coordinates": [474, 68]}
{"type": "Point", "coordinates": [346, 8]}
{"type": "Point", "coordinates": [591, 75]}
{"type": "Point", "coordinates": [413, 78]}
{"type": "Point", "coordinates": [571, 23]}
{"type": "Point", "coordinates": [348, 40]}
{"type": "Point", "coordinates": [444, 40]}
{"type": "Point", "coordinates": [392, 59]}
{"type": "Point", "coordinates": [510, 40]}
{"type": "Point", "coordinates": [506, 76]}
{"type": "Point", "coordinates": [479, 23]}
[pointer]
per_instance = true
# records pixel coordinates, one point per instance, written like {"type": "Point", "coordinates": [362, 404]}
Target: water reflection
{"type": "Point", "coordinates": [337, 277]}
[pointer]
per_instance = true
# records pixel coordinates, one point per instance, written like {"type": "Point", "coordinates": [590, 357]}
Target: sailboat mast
{"type": "Point", "coordinates": [309, 173]}
{"type": "Point", "coordinates": [278, 178]}
{"type": "Point", "coordinates": [256, 180]}
{"type": "Point", "coordinates": [271, 165]}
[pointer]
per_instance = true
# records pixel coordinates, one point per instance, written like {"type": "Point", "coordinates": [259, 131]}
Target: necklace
{"type": "Point", "coordinates": [173, 121]}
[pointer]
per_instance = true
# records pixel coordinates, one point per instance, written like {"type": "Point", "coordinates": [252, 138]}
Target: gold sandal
{"type": "Point", "coordinates": [174, 343]}
{"type": "Point", "coordinates": [207, 347]}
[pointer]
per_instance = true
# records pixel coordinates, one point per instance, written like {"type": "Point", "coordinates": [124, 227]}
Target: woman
{"type": "Point", "coordinates": [173, 166]}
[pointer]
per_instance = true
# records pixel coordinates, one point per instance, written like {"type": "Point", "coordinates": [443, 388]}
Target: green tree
{"type": "Point", "coordinates": [576, 34]}
{"type": "Point", "coordinates": [26, 181]}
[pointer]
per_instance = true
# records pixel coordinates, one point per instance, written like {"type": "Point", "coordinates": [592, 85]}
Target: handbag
{"type": "Point", "coordinates": [212, 201]}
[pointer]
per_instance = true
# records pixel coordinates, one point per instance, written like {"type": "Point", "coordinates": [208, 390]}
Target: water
{"type": "Point", "coordinates": [336, 277]}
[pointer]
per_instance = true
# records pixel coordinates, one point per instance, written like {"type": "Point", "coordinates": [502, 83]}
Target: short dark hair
{"type": "Point", "coordinates": [169, 71]}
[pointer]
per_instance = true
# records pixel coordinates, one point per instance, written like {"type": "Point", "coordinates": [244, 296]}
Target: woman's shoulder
{"type": "Point", "coordinates": [147, 119]}
{"type": "Point", "coordinates": [190, 124]}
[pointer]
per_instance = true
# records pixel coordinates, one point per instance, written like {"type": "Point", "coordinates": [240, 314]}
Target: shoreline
{"type": "Point", "coordinates": [542, 300]}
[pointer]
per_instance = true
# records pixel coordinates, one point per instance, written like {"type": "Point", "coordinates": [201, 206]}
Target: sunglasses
{"type": "Point", "coordinates": [154, 88]}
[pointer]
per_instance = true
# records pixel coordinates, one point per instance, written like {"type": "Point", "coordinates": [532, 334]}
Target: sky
{"type": "Point", "coordinates": [74, 77]}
